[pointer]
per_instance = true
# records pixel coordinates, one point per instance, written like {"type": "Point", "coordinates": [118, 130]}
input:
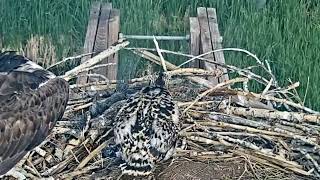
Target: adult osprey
{"type": "Point", "coordinates": [32, 99]}
{"type": "Point", "coordinates": [146, 129]}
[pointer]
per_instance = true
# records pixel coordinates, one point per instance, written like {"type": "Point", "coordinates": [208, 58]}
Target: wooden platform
{"type": "Point", "coordinates": [205, 37]}
{"type": "Point", "coordinates": [102, 31]}
{"type": "Point", "coordinates": [104, 27]}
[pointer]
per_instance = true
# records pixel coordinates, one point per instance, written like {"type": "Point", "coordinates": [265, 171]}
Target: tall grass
{"type": "Point", "coordinates": [285, 32]}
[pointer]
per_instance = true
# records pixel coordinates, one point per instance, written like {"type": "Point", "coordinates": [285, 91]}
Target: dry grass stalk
{"type": "Point", "coordinates": [218, 86]}
{"type": "Point", "coordinates": [69, 59]}
{"type": "Point", "coordinates": [178, 72]}
{"type": "Point", "coordinates": [282, 101]}
{"type": "Point", "coordinates": [272, 114]}
{"type": "Point", "coordinates": [216, 128]}
{"type": "Point", "coordinates": [41, 50]}
{"type": "Point", "coordinates": [78, 108]}
{"type": "Point", "coordinates": [155, 59]}
{"type": "Point", "coordinates": [95, 60]}
{"type": "Point", "coordinates": [143, 52]}
{"type": "Point", "coordinates": [91, 155]}
{"type": "Point", "coordinates": [98, 66]}
{"type": "Point", "coordinates": [159, 53]}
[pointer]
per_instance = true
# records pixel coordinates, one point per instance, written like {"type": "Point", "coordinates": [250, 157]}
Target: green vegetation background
{"type": "Point", "coordinates": [285, 32]}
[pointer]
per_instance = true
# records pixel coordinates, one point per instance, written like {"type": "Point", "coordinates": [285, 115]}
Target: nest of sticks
{"type": "Point", "coordinates": [268, 134]}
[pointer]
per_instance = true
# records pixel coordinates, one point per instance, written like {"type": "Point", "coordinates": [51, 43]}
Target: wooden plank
{"type": "Point", "coordinates": [205, 37]}
{"type": "Point", "coordinates": [90, 36]}
{"type": "Point", "coordinates": [194, 41]}
{"type": "Point", "coordinates": [216, 40]}
{"type": "Point", "coordinates": [114, 28]}
{"type": "Point", "coordinates": [101, 42]}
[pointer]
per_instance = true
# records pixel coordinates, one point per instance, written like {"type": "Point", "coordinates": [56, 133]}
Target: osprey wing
{"type": "Point", "coordinates": [31, 101]}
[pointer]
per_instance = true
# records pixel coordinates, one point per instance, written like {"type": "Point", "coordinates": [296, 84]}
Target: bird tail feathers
{"type": "Point", "coordinates": [135, 170]}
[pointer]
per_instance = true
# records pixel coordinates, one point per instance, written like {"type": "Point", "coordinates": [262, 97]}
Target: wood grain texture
{"type": "Point", "coordinates": [206, 45]}
{"type": "Point", "coordinates": [216, 40]}
{"type": "Point", "coordinates": [103, 31]}
{"type": "Point", "coordinates": [195, 41]}
{"type": "Point", "coordinates": [102, 38]}
{"type": "Point", "coordinates": [90, 37]}
{"type": "Point", "coordinates": [114, 29]}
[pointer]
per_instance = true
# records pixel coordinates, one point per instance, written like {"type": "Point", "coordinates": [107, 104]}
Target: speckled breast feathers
{"type": "Point", "coordinates": [146, 130]}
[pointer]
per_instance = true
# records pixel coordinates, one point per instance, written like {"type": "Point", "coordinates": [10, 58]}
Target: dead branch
{"type": "Point", "coordinates": [296, 117]}
{"type": "Point", "coordinates": [95, 60]}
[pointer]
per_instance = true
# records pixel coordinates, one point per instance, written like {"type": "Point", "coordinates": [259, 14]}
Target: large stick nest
{"type": "Point", "coordinates": [229, 132]}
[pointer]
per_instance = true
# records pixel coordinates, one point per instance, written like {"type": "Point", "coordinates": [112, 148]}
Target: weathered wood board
{"type": "Point", "coordinates": [102, 31]}
{"type": "Point", "coordinates": [195, 41]}
{"type": "Point", "coordinates": [216, 40]}
{"type": "Point", "coordinates": [204, 38]}
{"type": "Point", "coordinates": [90, 37]}
{"type": "Point", "coordinates": [114, 29]}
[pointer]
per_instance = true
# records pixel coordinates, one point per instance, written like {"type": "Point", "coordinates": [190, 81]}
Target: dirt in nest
{"type": "Point", "coordinates": [229, 170]}
{"type": "Point", "coordinates": [190, 170]}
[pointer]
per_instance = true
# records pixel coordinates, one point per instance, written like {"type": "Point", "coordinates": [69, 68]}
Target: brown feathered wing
{"type": "Point", "coordinates": [28, 111]}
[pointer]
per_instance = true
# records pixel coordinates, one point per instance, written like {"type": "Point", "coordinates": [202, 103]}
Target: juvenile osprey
{"type": "Point", "coordinates": [32, 99]}
{"type": "Point", "coordinates": [146, 129]}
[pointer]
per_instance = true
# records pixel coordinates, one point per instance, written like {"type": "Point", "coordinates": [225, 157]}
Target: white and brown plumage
{"type": "Point", "coordinates": [32, 99]}
{"type": "Point", "coordinates": [146, 129]}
